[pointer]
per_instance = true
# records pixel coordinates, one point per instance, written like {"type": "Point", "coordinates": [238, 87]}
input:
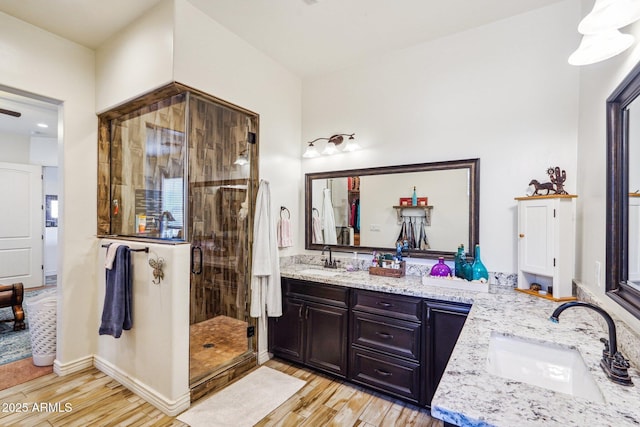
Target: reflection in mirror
{"type": "Point", "coordinates": [623, 194]}
{"type": "Point", "coordinates": [633, 113]}
{"type": "Point", "coordinates": [364, 210]}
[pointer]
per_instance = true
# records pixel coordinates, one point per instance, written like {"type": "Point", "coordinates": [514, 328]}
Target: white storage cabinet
{"type": "Point", "coordinates": [546, 243]}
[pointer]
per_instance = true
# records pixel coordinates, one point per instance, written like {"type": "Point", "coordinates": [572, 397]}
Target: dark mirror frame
{"type": "Point", "coordinates": [618, 193]}
{"type": "Point", "coordinates": [474, 203]}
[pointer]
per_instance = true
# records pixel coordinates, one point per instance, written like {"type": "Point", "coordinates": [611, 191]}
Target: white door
{"type": "Point", "coordinates": [536, 236]}
{"type": "Point", "coordinates": [21, 224]}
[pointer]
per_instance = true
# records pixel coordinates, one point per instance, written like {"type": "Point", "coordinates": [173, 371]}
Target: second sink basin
{"type": "Point", "coordinates": [546, 365]}
{"type": "Point", "coordinates": [320, 272]}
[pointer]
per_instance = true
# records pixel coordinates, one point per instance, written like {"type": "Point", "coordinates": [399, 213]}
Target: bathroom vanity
{"type": "Point", "coordinates": [424, 321]}
{"type": "Point", "coordinates": [357, 327]}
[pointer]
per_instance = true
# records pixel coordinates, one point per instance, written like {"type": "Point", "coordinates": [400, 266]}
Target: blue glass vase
{"type": "Point", "coordinates": [478, 268]}
{"type": "Point", "coordinates": [459, 259]}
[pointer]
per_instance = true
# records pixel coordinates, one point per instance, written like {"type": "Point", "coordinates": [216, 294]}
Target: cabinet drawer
{"type": "Point", "coordinates": [393, 336]}
{"type": "Point", "coordinates": [398, 306]}
{"type": "Point", "coordinates": [386, 374]}
{"type": "Point", "coordinates": [317, 292]}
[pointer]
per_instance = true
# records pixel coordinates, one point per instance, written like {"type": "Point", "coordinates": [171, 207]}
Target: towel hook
{"type": "Point", "coordinates": [282, 209]}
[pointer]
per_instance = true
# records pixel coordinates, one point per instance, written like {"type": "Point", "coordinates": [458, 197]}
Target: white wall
{"type": "Point", "coordinates": [43, 151]}
{"type": "Point", "coordinates": [152, 358]}
{"type": "Point", "coordinates": [41, 63]}
{"type": "Point", "coordinates": [502, 92]}
{"type": "Point", "coordinates": [597, 81]}
{"type": "Point", "coordinates": [138, 59]}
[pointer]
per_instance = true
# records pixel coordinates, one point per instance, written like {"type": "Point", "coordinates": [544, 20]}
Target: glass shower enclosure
{"type": "Point", "coordinates": [183, 169]}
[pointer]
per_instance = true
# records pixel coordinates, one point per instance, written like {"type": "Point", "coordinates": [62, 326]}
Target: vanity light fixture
{"type": "Point", "coordinates": [333, 142]}
{"type": "Point", "coordinates": [600, 46]}
{"type": "Point", "coordinates": [601, 39]}
{"type": "Point", "coordinates": [609, 15]}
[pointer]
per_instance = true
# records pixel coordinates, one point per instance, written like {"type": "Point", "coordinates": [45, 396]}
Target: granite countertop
{"type": "Point", "coordinates": [361, 279]}
{"type": "Point", "coordinates": [468, 395]}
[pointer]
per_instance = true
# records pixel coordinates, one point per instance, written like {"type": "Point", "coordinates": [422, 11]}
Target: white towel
{"type": "Point", "coordinates": [111, 255]}
{"type": "Point", "coordinates": [266, 292]}
{"type": "Point", "coordinates": [284, 233]}
{"type": "Point", "coordinates": [317, 230]}
{"type": "Point", "coordinates": [328, 220]}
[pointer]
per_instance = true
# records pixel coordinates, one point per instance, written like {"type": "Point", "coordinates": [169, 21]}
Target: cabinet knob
{"type": "Point", "coordinates": [521, 235]}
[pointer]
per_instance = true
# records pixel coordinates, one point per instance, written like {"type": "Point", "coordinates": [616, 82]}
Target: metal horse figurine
{"type": "Point", "coordinates": [544, 186]}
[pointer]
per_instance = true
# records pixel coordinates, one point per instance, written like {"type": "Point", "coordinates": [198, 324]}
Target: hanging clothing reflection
{"type": "Point", "coordinates": [328, 220]}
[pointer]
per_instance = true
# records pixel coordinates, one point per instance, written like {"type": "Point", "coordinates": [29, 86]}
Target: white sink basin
{"type": "Point", "coordinates": [319, 272]}
{"type": "Point", "coordinates": [546, 365]}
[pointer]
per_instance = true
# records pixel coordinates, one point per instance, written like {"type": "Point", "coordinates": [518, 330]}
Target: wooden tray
{"type": "Point", "coordinates": [389, 272]}
{"type": "Point", "coordinates": [547, 296]}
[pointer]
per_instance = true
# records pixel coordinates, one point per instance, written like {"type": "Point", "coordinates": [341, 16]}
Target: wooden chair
{"type": "Point", "coordinates": [11, 296]}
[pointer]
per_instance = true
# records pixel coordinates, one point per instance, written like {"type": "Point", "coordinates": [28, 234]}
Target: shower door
{"type": "Point", "coordinates": [221, 194]}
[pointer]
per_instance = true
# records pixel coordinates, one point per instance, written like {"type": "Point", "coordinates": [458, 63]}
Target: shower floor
{"type": "Point", "coordinates": [213, 343]}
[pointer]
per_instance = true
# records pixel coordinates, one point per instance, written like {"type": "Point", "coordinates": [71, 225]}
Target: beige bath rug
{"type": "Point", "coordinates": [244, 402]}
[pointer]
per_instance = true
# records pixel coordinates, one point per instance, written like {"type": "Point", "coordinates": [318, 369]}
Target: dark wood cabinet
{"type": "Point", "coordinates": [313, 329]}
{"type": "Point", "coordinates": [444, 321]}
{"type": "Point", "coordinates": [326, 331]}
{"type": "Point", "coordinates": [386, 338]}
{"type": "Point", "coordinates": [396, 344]}
{"type": "Point", "coordinates": [286, 332]}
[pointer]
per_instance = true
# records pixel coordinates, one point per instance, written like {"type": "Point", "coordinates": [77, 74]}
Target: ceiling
{"type": "Point", "coordinates": [308, 37]}
{"type": "Point", "coordinates": [34, 114]}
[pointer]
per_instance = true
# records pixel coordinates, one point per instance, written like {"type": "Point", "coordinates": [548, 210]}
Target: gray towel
{"type": "Point", "coordinates": [116, 313]}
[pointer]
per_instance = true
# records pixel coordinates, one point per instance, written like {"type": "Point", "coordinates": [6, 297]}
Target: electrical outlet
{"type": "Point", "coordinates": [597, 273]}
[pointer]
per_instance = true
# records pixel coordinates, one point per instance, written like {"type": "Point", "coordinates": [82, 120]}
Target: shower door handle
{"type": "Point", "coordinates": [193, 266]}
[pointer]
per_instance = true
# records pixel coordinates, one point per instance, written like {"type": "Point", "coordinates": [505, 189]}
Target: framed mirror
{"type": "Point", "coordinates": [623, 193]}
{"type": "Point", "coordinates": [362, 210]}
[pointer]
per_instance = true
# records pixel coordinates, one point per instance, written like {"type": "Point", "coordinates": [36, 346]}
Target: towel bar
{"type": "Point", "coordinates": [145, 249]}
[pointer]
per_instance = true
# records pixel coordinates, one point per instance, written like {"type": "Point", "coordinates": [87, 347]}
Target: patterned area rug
{"type": "Point", "coordinates": [15, 345]}
{"type": "Point", "coordinates": [21, 371]}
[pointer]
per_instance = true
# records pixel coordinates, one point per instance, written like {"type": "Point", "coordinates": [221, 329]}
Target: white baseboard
{"type": "Point", "coordinates": [169, 407]}
{"type": "Point", "coordinates": [63, 369]}
{"type": "Point", "coordinates": [263, 357]}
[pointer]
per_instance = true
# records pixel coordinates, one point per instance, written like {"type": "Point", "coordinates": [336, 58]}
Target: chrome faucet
{"type": "Point", "coordinates": [330, 263]}
{"type": "Point", "coordinates": [613, 363]}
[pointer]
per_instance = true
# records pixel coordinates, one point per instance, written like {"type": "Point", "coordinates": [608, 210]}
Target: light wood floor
{"type": "Point", "coordinates": [90, 398]}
